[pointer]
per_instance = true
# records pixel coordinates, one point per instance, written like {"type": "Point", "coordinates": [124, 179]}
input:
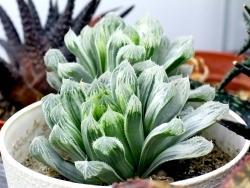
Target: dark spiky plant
{"type": "Point", "coordinates": [236, 104]}
{"type": "Point", "coordinates": [23, 79]}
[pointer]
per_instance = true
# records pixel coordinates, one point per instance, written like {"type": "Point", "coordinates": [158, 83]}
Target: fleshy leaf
{"type": "Point", "coordinates": [89, 54]}
{"type": "Point", "coordinates": [180, 51]}
{"type": "Point", "coordinates": [202, 117]}
{"type": "Point", "coordinates": [54, 80]}
{"type": "Point", "coordinates": [150, 32]}
{"type": "Point", "coordinates": [202, 93]}
{"type": "Point", "coordinates": [72, 97]}
{"type": "Point", "coordinates": [73, 44]}
{"type": "Point", "coordinates": [160, 97]}
{"type": "Point", "coordinates": [141, 66]}
{"type": "Point", "coordinates": [111, 151]}
{"type": "Point", "coordinates": [52, 58]}
{"type": "Point", "coordinates": [161, 51]}
{"type": "Point", "coordinates": [90, 130]}
{"type": "Point", "coordinates": [113, 125]}
{"type": "Point", "coordinates": [134, 126]}
{"type": "Point", "coordinates": [74, 71]}
{"type": "Point", "coordinates": [97, 172]}
{"type": "Point", "coordinates": [149, 79]}
{"type": "Point", "coordinates": [132, 34]}
{"type": "Point", "coordinates": [104, 29]}
{"type": "Point", "coordinates": [176, 103]}
{"type": "Point", "coordinates": [43, 152]}
{"type": "Point", "coordinates": [49, 103]}
{"type": "Point", "coordinates": [67, 141]}
{"type": "Point", "coordinates": [158, 140]}
{"type": "Point", "coordinates": [191, 148]}
{"type": "Point", "coordinates": [116, 41]}
{"type": "Point", "coordinates": [131, 53]}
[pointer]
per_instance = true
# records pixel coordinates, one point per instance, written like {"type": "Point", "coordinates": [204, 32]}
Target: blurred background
{"type": "Point", "coordinates": [214, 24]}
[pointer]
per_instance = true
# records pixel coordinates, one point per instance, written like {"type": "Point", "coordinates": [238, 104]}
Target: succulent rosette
{"type": "Point", "coordinates": [122, 109]}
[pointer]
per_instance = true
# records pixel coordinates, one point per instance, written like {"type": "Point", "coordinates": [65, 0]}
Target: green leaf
{"type": "Point", "coordinates": [113, 125]}
{"type": "Point", "coordinates": [123, 93]}
{"type": "Point", "coordinates": [67, 141]}
{"type": "Point", "coordinates": [104, 30]}
{"type": "Point", "coordinates": [116, 41]}
{"type": "Point", "coordinates": [43, 152]}
{"type": "Point", "coordinates": [52, 58]}
{"type": "Point", "coordinates": [159, 98]}
{"type": "Point", "coordinates": [150, 32]}
{"type": "Point", "coordinates": [131, 53]}
{"type": "Point", "coordinates": [131, 32]}
{"type": "Point", "coordinates": [73, 44]}
{"type": "Point", "coordinates": [98, 105]}
{"type": "Point", "coordinates": [134, 127]}
{"type": "Point", "coordinates": [90, 130]}
{"type": "Point", "coordinates": [74, 71]}
{"type": "Point", "coordinates": [158, 140]}
{"type": "Point", "coordinates": [89, 54]}
{"type": "Point", "coordinates": [49, 102]}
{"type": "Point", "coordinates": [191, 148]}
{"type": "Point", "coordinates": [97, 172]}
{"type": "Point", "coordinates": [177, 102]}
{"type": "Point", "coordinates": [123, 84]}
{"type": "Point", "coordinates": [111, 151]}
{"type": "Point", "coordinates": [72, 96]}
{"type": "Point", "coordinates": [202, 93]}
{"type": "Point", "coordinates": [96, 88]}
{"type": "Point", "coordinates": [180, 51]}
{"type": "Point", "coordinates": [202, 117]}
{"type": "Point", "coordinates": [105, 78]}
{"type": "Point", "coordinates": [143, 65]}
{"type": "Point", "coordinates": [161, 51]}
{"type": "Point", "coordinates": [54, 80]}
{"type": "Point", "coordinates": [149, 80]}
{"type": "Point", "coordinates": [127, 76]}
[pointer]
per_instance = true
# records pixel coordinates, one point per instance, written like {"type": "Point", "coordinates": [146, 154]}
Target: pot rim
{"type": "Point", "coordinates": [7, 156]}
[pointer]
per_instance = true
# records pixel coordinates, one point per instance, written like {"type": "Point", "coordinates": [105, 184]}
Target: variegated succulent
{"type": "Point", "coordinates": [106, 45]}
{"type": "Point", "coordinates": [124, 124]}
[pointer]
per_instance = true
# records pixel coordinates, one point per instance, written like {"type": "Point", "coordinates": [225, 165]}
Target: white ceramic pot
{"type": "Point", "coordinates": [22, 127]}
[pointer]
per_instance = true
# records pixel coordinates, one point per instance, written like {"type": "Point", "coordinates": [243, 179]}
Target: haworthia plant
{"type": "Point", "coordinates": [119, 112]}
{"type": "Point", "coordinates": [124, 124]}
{"type": "Point", "coordinates": [103, 47]}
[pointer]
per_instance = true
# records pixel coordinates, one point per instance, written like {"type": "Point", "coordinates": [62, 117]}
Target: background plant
{"type": "Point", "coordinates": [24, 77]}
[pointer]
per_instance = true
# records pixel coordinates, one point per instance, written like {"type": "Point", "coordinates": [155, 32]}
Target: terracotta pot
{"type": "Point", "coordinates": [22, 127]}
{"type": "Point", "coordinates": [219, 63]}
{"type": "Point", "coordinates": [1, 123]}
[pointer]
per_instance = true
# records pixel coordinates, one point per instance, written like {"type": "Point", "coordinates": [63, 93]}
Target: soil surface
{"type": "Point", "coordinates": [184, 169]}
{"type": "Point", "coordinates": [171, 171]}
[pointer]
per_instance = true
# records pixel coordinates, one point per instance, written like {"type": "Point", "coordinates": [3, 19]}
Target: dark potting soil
{"type": "Point", "coordinates": [189, 168]}
{"type": "Point", "coordinates": [171, 171]}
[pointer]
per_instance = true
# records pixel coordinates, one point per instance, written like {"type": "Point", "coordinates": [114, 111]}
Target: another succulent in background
{"type": "Point", "coordinates": [239, 176]}
{"type": "Point", "coordinates": [105, 46]}
{"type": "Point", "coordinates": [23, 79]}
{"type": "Point", "coordinates": [239, 106]}
{"type": "Point", "coordinates": [236, 104]}
{"type": "Point", "coordinates": [242, 67]}
{"type": "Point", "coordinates": [141, 121]}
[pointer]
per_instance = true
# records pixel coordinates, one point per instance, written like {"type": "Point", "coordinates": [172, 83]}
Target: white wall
{"type": "Point", "coordinates": [215, 24]}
